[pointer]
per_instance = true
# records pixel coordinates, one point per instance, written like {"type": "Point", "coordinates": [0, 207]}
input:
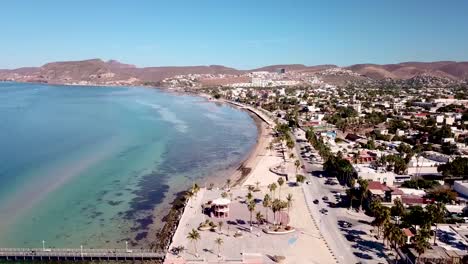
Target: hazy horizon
{"type": "Point", "coordinates": [238, 34]}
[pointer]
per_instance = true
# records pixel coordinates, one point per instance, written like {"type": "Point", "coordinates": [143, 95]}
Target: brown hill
{"type": "Point", "coordinates": [407, 70]}
{"type": "Point", "coordinates": [295, 67]}
{"type": "Point", "coordinates": [97, 71]}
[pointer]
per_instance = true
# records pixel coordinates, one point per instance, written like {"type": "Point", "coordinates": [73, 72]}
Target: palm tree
{"type": "Point", "coordinates": [387, 233]}
{"type": "Point", "coordinates": [291, 156]}
{"type": "Point", "coordinates": [228, 183]}
{"type": "Point", "coordinates": [289, 200]}
{"type": "Point", "coordinates": [224, 194]}
{"type": "Point", "coordinates": [280, 183]}
{"type": "Point", "coordinates": [297, 163]}
{"type": "Point", "coordinates": [272, 187]}
{"type": "Point", "coordinates": [436, 214]}
{"type": "Point", "coordinates": [275, 207]}
{"type": "Point", "coordinates": [249, 196]}
{"type": "Point", "coordinates": [259, 218]}
{"type": "Point", "coordinates": [189, 195]}
{"type": "Point", "coordinates": [195, 189]}
{"type": "Point", "coordinates": [421, 241]}
{"type": "Point", "coordinates": [266, 204]}
{"type": "Point", "coordinates": [251, 207]}
{"type": "Point", "coordinates": [397, 238]}
{"type": "Point", "coordinates": [219, 241]}
{"type": "Point", "coordinates": [300, 178]}
{"type": "Point", "coordinates": [364, 191]}
{"type": "Point", "coordinates": [351, 196]}
{"type": "Point", "coordinates": [194, 236]}
{"type": "Point", "coordinates": [382, 217]}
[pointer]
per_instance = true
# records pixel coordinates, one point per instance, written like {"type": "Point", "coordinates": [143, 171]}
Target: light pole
{"type": "Point", "coordinates": [81, 250]}
{"type": "Point", "coordinates": [126, 246]}
{"type": "Point", "coordinates": [43, 245]}
{"type": "Point", "coordinates": [397, 218]}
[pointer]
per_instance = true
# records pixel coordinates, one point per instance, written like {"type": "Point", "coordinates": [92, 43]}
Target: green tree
{"type": "Point", "coordinates": [300, 178]}
{"type": "Point", "coordinates": [456, 168]}
{"type": "Point", "coordinates": [421, 240]}
{"type": "Point", "coordinates": [398, 209]}
{"type": "Point", "coordinates": [442, 194]}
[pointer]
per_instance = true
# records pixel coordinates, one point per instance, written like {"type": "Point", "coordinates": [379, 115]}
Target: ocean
{"type": "Point", "coordinates": [91, 165]}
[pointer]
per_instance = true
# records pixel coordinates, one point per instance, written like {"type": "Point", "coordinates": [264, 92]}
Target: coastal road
{"type": "Point", "coordinates": [328, 224]}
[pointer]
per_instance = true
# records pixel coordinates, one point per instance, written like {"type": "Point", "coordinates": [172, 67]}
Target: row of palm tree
{"type": "Point", "coordinates": [392, 232]}
{"type": "Point", "coordinates": [192, 192]}
{"type": "Point", "coordinates": [360, 193]}
{"type": "Point", "coordinates": [272, 187]}
{"type": "Point", "coordinates": [194, 237]}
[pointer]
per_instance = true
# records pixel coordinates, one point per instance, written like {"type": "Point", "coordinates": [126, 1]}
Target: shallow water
{"type": "Point", "coordinates": [88, 165]}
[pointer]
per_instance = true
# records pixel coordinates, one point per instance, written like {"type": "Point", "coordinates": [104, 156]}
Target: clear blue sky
{"type": "Point", "coordinates": [238, 33]}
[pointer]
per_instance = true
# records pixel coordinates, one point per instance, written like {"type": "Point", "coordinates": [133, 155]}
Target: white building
{"type": "Point", "coordinates": [365, 171]}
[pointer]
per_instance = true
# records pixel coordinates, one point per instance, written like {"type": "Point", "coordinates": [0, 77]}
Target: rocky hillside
{"type": "Point", "coordinates": [97, 71]}
{"type": "Point", "coordinates": [441, 69]}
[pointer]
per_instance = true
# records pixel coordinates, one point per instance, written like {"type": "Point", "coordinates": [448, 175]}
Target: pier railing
{"type": "Point", "coordinates": [77, 254]}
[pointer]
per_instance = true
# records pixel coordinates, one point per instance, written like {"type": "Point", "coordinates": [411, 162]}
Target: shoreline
{"type": "Point", "coordinates": [167, 214]}
{"type": "Point", "coordinates": [237, 173]}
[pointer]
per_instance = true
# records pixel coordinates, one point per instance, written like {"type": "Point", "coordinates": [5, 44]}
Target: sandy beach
{"type": "Point", "coordinates": [252, 245]}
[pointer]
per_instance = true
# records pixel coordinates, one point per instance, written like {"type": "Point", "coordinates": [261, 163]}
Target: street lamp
{"type": "Point", "coordinates": [81, 250]}
{"type": "Point", "coordinates": [126, 246]}
{"type": "Point", "coordinates": [397, 218]}
{"type": "Point", "coordinates": [43, 245]}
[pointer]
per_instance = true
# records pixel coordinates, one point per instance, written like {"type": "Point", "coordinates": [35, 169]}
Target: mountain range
{"type": "Point", "coordinates": [97, 71]}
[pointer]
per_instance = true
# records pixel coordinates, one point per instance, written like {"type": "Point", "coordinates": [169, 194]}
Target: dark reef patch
{"type": "Point", "coordinates": [114, 203]}
{"type": "Point", "coordinates": [141, 236]}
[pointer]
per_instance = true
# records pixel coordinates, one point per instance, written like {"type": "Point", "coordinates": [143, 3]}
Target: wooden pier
{"type": "Point", "coordinates": [77, 254]}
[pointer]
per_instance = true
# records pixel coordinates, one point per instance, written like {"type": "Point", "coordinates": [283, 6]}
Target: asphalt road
{"type": "Point", "coordinates": [328, 224]}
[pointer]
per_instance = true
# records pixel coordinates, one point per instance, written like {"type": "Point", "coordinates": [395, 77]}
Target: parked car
{"type": "Point", "coordinates": [325, 198]}
{"type": "Point", "coordinates": [316, 201]}
{"type": "Point", "coordinates": [323, 211]}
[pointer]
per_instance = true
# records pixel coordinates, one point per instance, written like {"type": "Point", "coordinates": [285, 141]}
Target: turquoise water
{"type": "Point", "coordinates": [89, 165]}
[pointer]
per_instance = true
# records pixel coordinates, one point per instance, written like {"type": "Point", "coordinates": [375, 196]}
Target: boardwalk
{"type": "Point", "coordinates": [77, 254]}
{"type": "Point", "coordinates": [257, 112]}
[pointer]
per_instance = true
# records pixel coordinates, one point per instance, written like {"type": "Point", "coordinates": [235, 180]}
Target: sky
{"type": "Point", "coordinates": [240, 33]}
